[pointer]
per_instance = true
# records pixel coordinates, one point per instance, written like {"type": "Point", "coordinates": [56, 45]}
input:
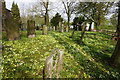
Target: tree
{"type": "Point", "coordinates": [11, 25]}
{"type": "Point", "coordinates": [42, 8]}
{"type": "Point", "coordinates": [16, 14]}
{"type": "Point", "coordinates": [116, 55]}
{"type": "Point", "coordinates": [113, 20]}
{"type": "Point", "coordinates": [56, 19]}
{"type": "Point", "coordinates": [94, 11]}
{"type": "Point", "coordinates": [77, 21]}
{"type": "Point", "coordinates": [82, 33]}
{"type": "Point", "coordinates": [117, 35]}
{"type": "Point", "coordinates": [45, 4]}
{"type": "Point", "coordinates": [69, 9]}
{"type": "Point", "coordinates": [15, 11]}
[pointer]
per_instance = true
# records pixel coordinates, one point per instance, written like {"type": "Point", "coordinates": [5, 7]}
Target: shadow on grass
{"type": "Point", "coordinates": [92, 68]}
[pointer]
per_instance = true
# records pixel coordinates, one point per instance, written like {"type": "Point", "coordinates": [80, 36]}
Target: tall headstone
{"type": "Point", "coordinates": [50, 28]}
{"type": "Point", "coordinates": [44, 30]}
{"type": "Point", "coordinates": [53, 28]}
{"type": "Point", "coordinates": [57, 28]}
{"type": "Point", "coordinates": [60, 24]}
{"type": "Point", "coordinates": [11, 26]}
{"type": "Point", "coordinates": [53, 64]}
{"type": "Point", "coordinates": [67, 29]}
{"type": "Point", "coordinates": [92, 26]}
{"type": "Point", "coordinates": [30, 28]}
{"type": "Point", "coordinates": [62, 28]}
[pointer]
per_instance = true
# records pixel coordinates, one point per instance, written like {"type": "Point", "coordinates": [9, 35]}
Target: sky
{"type": "Point", "coordinates": [27, 5]}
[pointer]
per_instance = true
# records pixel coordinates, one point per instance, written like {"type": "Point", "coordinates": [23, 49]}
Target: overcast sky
{"type": "Point", "coordinates": [27, 5]}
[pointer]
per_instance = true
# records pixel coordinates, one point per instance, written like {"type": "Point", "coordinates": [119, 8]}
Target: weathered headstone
{"type": "Point", "coordinates": [30, 28]}
{"type": "Point", "coordinates": [44, 30]}
{"type": "Point", "coordinates": [57, 28]}
{"type": "Point", "coordinates": [62, 28]}
{"type": "Point", "coordinates": [53, 28]}
{"type": "Point", "coordinates": [50, 28]}
{"type": "Point", "coordinates": [67, 29]}
{"type": "Point", "coordinates": [53, 64]}
{"type": "Point", "coordinates": [77, 28]}
{"type": "Point", "coordinates": [60, 24]}
{"type": "Point", "coordinates": [11, 26]}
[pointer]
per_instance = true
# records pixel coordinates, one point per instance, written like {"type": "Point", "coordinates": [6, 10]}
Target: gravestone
{"type": "Point", "coordinates": [11, 26]}
{"type": "Point", "coordinates": [77, 28]}
{"type": "Point", "coordinates": [57, 28]}
{"type": "Point", "coordinates": [60, 24]}
{"type": "Point", "coordinates": [44, 30]}
{"type": "Point", "coordinates": [30, 28]}
{"type": "Point", "coordinates": [53, 64]}
{"type": "Point", "coordinates": [67, 29]}
{"type": "Point", "coordinates": [53, 28]}
{"type": "Point", "coordinates": [50, 28]}
{"type": "Point", "coordinates": [62, 28]}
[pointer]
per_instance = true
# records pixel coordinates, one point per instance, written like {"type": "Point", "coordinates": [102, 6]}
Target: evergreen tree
{"type": "Point", "coordinates": [15, 11]}
{"type": "Point", "coordinates": [56, 19]}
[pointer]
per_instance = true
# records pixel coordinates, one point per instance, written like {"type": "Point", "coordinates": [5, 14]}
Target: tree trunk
{"type": "Point", "coordinates": [116, 55]}
{"type": "Point", "coordinates": [117, 33]}
{"type": "Point", "coordinates": [82, 34]}
{"type": "Point", "coordinates": [68, 23]}
{"type": "Point", "coordinates": [90, 27]}
{"type": "Point", "coordinates": [72, 33]}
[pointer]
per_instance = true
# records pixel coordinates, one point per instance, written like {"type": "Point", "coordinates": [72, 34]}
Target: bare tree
{"type": "Point", "coordinates": [69, 9]}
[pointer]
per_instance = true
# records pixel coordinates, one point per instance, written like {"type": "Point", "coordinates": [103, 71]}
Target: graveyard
{"type": "Point", "coordinates": [81, 49]}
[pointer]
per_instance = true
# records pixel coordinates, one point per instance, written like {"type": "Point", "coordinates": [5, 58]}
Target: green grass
{"type": "Point", "coordinates": [25, 58]}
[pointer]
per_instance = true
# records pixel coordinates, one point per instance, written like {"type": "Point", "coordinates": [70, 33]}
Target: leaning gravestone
{"type": "Point", "coordinates": [11, 26]}
{"type": "Point", "coordinates": [44, 30]}
{"type": "Point", "coordinates": [53, 64]}
{"type": "Point", "coordinates": [30, 28]}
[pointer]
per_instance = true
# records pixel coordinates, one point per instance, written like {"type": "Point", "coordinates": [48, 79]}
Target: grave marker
{"type": "Point", "coordinates": [53, 64]}
{"type": "Point", "coordinates": [44, 30]}
{"type": "Point", "coordinates": [30, 28]}
{"type": "Point", "coordinates": [11, 26]}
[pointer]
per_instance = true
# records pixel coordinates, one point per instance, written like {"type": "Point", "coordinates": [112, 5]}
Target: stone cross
{"type": "Point", "coordinates": [53, 64]}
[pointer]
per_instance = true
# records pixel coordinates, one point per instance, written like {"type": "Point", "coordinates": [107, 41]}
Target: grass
{"type": "Point", "coordinates": [25, 58]}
